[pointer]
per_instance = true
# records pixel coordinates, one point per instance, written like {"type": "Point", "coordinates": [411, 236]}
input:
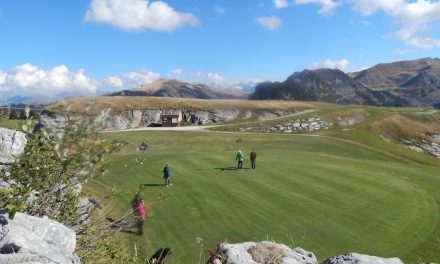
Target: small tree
{"type": "Point", "coordinates": [46, 179]}
{"type": "Point", "coordinates": [13, 115]}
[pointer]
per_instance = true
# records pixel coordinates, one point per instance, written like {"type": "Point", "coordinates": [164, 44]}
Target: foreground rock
{"type": "Point", "coordinates": [12, 144]}
{"type": "Point", "coordinates": [265, 252]}
{"type": "Point", "coordinates": [28, 239]}
{"type": "Point", "coordinates": [354, 258]}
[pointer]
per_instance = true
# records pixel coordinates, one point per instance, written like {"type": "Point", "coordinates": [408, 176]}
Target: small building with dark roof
{"type": "Point", "coordinates": [169, 120]}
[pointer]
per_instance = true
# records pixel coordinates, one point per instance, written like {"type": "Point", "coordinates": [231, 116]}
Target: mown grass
{"type": "Point", "coordinates": [12, 124]}
{"type": "Point", "coordinates": [324, 194]}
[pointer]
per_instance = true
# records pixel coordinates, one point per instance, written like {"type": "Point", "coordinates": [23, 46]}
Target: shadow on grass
{"type": "Point", "coordinates": [229, 168]}
{"type": "Point", "coordinates": [153, 184]}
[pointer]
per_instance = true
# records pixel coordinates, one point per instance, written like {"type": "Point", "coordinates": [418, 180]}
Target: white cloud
{"type": "Point", "coordinates": [327, 6]}
{"type": "Point", "coordinates": [216, 78]}
{"type": "Point", "coordinates": [220, 10]}
{"type": "Point", "coordinates": [341, 64]}
{"type": "Point", "coordinates": [176, 73]}
{"type": "Point", "coordinates": [3, 76]}
{"type": "Point", "coordinates": [32, 81]}
{"type": "Point", "coordinates": [271, 23]}
{"type": "Point", "coordinates": [144, 76]}
{"type": "Point", "coordinates": [413, 17]}
{"type": "Point", "coordinates": [138, 15]}
{"type": "Point", "coordinates": [114, 82]}
{"type": "Point", "coordinates": [280, 3]}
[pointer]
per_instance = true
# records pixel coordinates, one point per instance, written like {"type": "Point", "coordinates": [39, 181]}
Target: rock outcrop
{"type": "Point", "coordinates": [28, 239]}
{"type": "Point", "coordinates": [304, 125]}
{"type": "Point", "coordinates": [354, 258]}
{"type": "Point", "coordinates": [12, 144]}
{"type": "Point", "coordinates": [151, 117]}
{"type": "Point", "coordinates": [430, 145]}
{"type": "Point", "coordinates": [255, 253]}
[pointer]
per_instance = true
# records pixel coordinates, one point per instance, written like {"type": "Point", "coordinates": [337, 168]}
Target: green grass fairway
{"type": "Point", "coordinates": [326, 195]}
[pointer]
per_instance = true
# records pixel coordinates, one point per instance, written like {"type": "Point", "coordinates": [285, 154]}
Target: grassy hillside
{"type": "Point", "coordinates": [328, 195]}
{"type": "Point", "coordinates": [93, 105]}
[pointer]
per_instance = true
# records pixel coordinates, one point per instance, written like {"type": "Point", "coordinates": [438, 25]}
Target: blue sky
{"type": "Point", "coordinates": [91, 46]}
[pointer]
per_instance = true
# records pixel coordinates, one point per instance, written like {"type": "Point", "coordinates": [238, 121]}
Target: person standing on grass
{"type": "Point", "coordinates": [253, 158]}
{"type": "Point", "coordinates": [139, 210]}
{"type": "Point", "coordinates": [166, 175]}
{"type": "Point", "coordinates": [239, 158]}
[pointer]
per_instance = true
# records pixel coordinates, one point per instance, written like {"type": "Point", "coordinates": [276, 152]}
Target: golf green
{"type": "Point", "coordinates": [325, 195]}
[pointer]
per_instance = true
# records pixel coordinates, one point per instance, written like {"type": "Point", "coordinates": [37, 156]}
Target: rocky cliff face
{"type": "Point", "coordinates": [326, 85]}
{"type": "Point", "coordinates": [404, 83]}
{"type": "Point", "coordinates": [151, 117]}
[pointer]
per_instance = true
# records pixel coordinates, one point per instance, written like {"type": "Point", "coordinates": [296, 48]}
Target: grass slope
{"type": "Point", "coordinates": [326, 195]}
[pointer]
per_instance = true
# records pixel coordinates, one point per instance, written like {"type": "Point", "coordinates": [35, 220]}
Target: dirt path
{"type": "Point", "coordinates": [203, 128]}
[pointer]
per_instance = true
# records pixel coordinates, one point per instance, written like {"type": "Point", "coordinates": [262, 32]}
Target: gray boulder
{"type": "Point", "coordinates": [355, 258]}
{"type": "Point", "coordinates": [53, 121]}
{"type": "Point", "coordinates": [28, 239]}
{"type": "Point", "coordinates": [12, 144]}
{"type": "Point", "coordinates": [245, 253]}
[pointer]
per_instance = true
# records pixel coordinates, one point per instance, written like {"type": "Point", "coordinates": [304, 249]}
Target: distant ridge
{"type": "Point", "coordinates": [404, 83]}
{"type": "Point", "coordinates": [179, 89]}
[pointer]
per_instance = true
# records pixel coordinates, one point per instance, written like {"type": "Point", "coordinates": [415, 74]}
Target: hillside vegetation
{"type": "Point", "coordinates": [93, 105]}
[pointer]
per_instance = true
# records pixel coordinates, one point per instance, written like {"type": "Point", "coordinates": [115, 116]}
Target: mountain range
{"type": "Point", "coordinates": [179, 89]}
{"type": "Point", "coordinates": [404, 83]}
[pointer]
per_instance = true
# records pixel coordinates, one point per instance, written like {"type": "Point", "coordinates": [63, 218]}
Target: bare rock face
{"type": "Point", "coordinates": [430, 145]}
{"type": "Point", "coordinates": [262, 252]}
{"type": "Point", "coordinates": [355, 258]}
{"type": "Point", "coordinates": [127, 120]}
{"type": "Point", "coordinates": [12, 144]}
{"type": "Point", "coordinates": [28, 239]}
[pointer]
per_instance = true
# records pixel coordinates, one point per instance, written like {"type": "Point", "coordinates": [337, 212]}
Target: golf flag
{"type": "Point", "coordinates": [238, 141]}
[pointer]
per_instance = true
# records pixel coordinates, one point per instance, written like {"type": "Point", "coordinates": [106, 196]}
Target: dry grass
{"type": "Point", "coordinates": [267, 254]}
{"type": "Point", "coordinates": [399, 127]}
{"type": "Point", "coordinates": [119, 104]}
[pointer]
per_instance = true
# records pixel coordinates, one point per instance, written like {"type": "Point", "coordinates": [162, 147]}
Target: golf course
{"type": "Point", "coordinates": [327, 194]}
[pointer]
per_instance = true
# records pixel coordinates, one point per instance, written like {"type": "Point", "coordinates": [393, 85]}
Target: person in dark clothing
{"type": "Point", "coordinates": [166, 175]}
{"type": "Point", "coordinates": [143, 148]}
{"type": "Point", "coordinates": [139, 210]}
{"type": "Point", "coordinates": [253, 158]}
{"type": "Point", "coordinates": [160, 255]}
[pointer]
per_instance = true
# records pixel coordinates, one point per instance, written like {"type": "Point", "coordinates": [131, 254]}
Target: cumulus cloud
{"type": "Point", "coordinates": [280, 3]}
{"type": "Point", "coordinates": [414, 18]}
{"type": "Point", "coordinates": [327, 6]}
{"type": "Point", "coordinates": [137, 78]}
{"type": "Point", "coordinates": [114, 81]}
{"type": "Point", "coordinates": [329, 64]}
{"type": "Point", "coordinates": [32, 81]}
{"type": "Point", "coordinates": [215, 77]}
{"type": "Point", "coordinates": [176, 73]}
{"type": "Point", "coordinates": [138, 15]}
{"type": "Point", "coordinates": [271, 23]}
